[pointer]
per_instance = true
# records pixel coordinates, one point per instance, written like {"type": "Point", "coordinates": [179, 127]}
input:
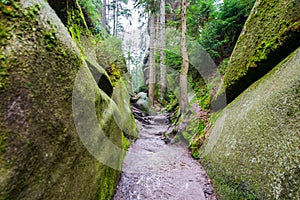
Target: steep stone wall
{"type": "Point", "coordinates": [43, 154]}
{"type": "Point", "coordinates": [270, 34]}
{"type": "Point", "coordinates": [253, 148]}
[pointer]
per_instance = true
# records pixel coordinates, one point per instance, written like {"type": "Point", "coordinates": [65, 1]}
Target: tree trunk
{"type": "Point", "coordinates": [115, 4]}
{"type": "Point", "coordinates": [108, 5]}
{"type": "Point", "coordinates": [136, 76]}
{"type": "Point", "coordinates": [163, 69]}
{"type": "Point", "coordinates": [117, 18]}
{"type": "Point", "coordinates": [104, 14]}
{"type": "Point", "coordinates": [185, 60]}
{"type": "Point", "coordinates": [114, 17]}
{"type": "Point", "coordinates": [152, 60]}
{"type": "Point", "coordinates": [157, 47]}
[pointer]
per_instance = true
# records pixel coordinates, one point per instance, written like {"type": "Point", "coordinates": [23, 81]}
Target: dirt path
{"type": "Point", "coordinates": [155, 170]}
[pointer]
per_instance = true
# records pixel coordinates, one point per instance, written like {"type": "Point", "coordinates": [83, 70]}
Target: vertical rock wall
{"type": "Point", "coordinates": [253, 148]}
{"type": "Point", "coordinates": [42, 154]}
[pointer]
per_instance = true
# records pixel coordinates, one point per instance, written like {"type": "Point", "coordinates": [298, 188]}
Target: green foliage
{"type": "Point", "coordinates": [202, 94]}
{"type": "Point", "coordinates": [93, 11]}
{"type": "Point", "coordinates": [220, 32]}
{"type": "Point", "coordinates": [110, 51]}
{"type": "Point", "coordinates": [5, 2]}
{"type": "Point", "coordinates": [151, 6]}
{"type": "Point", "coordinates": [198, 13]}
{"type": "Point", "coordinates": [173, 60]}
{"type": "Point", "coordinates": [216, 27]}
{"type": "Point", "coordinates": [173, 104]}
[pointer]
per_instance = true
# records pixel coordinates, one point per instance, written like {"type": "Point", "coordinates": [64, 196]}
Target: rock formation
{"type": "Point", "coordinates": [270, 34]}
{"type": "Point", "coordinates": [43, 151]}
{"type": "Point", "coordinates": [253, 148]}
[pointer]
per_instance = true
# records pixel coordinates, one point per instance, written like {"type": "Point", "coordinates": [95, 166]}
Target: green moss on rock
{"type": "Point", "coordinates": [125, 117]}
{"type": "Point", "coordinates": [42, 155]}
{"type": "Point", "coordinates": [271, 33]}
{"type": "Point", "coordinates": [7, 10]}
{"type": "Point", "coordinates": [110, 177]}
{"type": "Point", "coordinates": [253, 148]}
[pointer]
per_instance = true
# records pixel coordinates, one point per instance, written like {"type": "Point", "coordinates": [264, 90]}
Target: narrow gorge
{"type": "Point", "coordinates": [90, 110]}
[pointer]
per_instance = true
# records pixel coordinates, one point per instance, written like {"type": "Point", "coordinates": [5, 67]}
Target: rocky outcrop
{"type": "Point", "coordinates": [45, 114]}
{"type": "Point", "coordinates": [253, 148]}
{"type": "Point", "coordinates": [270, 34]}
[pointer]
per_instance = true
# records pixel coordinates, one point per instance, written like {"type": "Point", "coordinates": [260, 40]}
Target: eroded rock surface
{"type": "Point", "coordinates": [253, 147]}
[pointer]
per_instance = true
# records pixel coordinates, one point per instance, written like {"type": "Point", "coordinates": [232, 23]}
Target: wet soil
{"type": "Point", "coordinates": [155, 170]}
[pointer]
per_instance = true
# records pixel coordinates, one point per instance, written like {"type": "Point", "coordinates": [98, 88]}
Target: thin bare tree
{"type": "Point", "coordinates": [185, 60]}
{"type": "Point", "coordinates": [152, 73]}
{"type": "Point", "coordinates": [104, 14]}
{"type": "Point", "coordinates": [163, 69]}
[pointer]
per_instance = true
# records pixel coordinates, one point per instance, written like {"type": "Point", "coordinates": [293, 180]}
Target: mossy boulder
{"type": "Point", "coordinates": [125, 117]}
{"type": "Point", "coordinates": [42, 152]}
{"type": "Point", "coordinates": [271, 33]}
{"type": "Point", "coordinates": [253, 149]}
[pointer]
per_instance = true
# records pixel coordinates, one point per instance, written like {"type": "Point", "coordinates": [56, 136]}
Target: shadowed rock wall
{"type": "Point", "coordinates": [41, 153]}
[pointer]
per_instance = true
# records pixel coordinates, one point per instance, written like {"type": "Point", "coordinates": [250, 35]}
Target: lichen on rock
{"type": "Point", "coordinates": [253, 148]}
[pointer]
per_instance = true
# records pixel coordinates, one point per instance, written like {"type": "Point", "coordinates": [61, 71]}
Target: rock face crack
{"type": "Point", "coordinates": [155, 170]}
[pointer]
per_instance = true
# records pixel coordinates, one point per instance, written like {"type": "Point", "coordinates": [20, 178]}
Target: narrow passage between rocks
{"type": "Point", "coordinates": [155, 170]}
